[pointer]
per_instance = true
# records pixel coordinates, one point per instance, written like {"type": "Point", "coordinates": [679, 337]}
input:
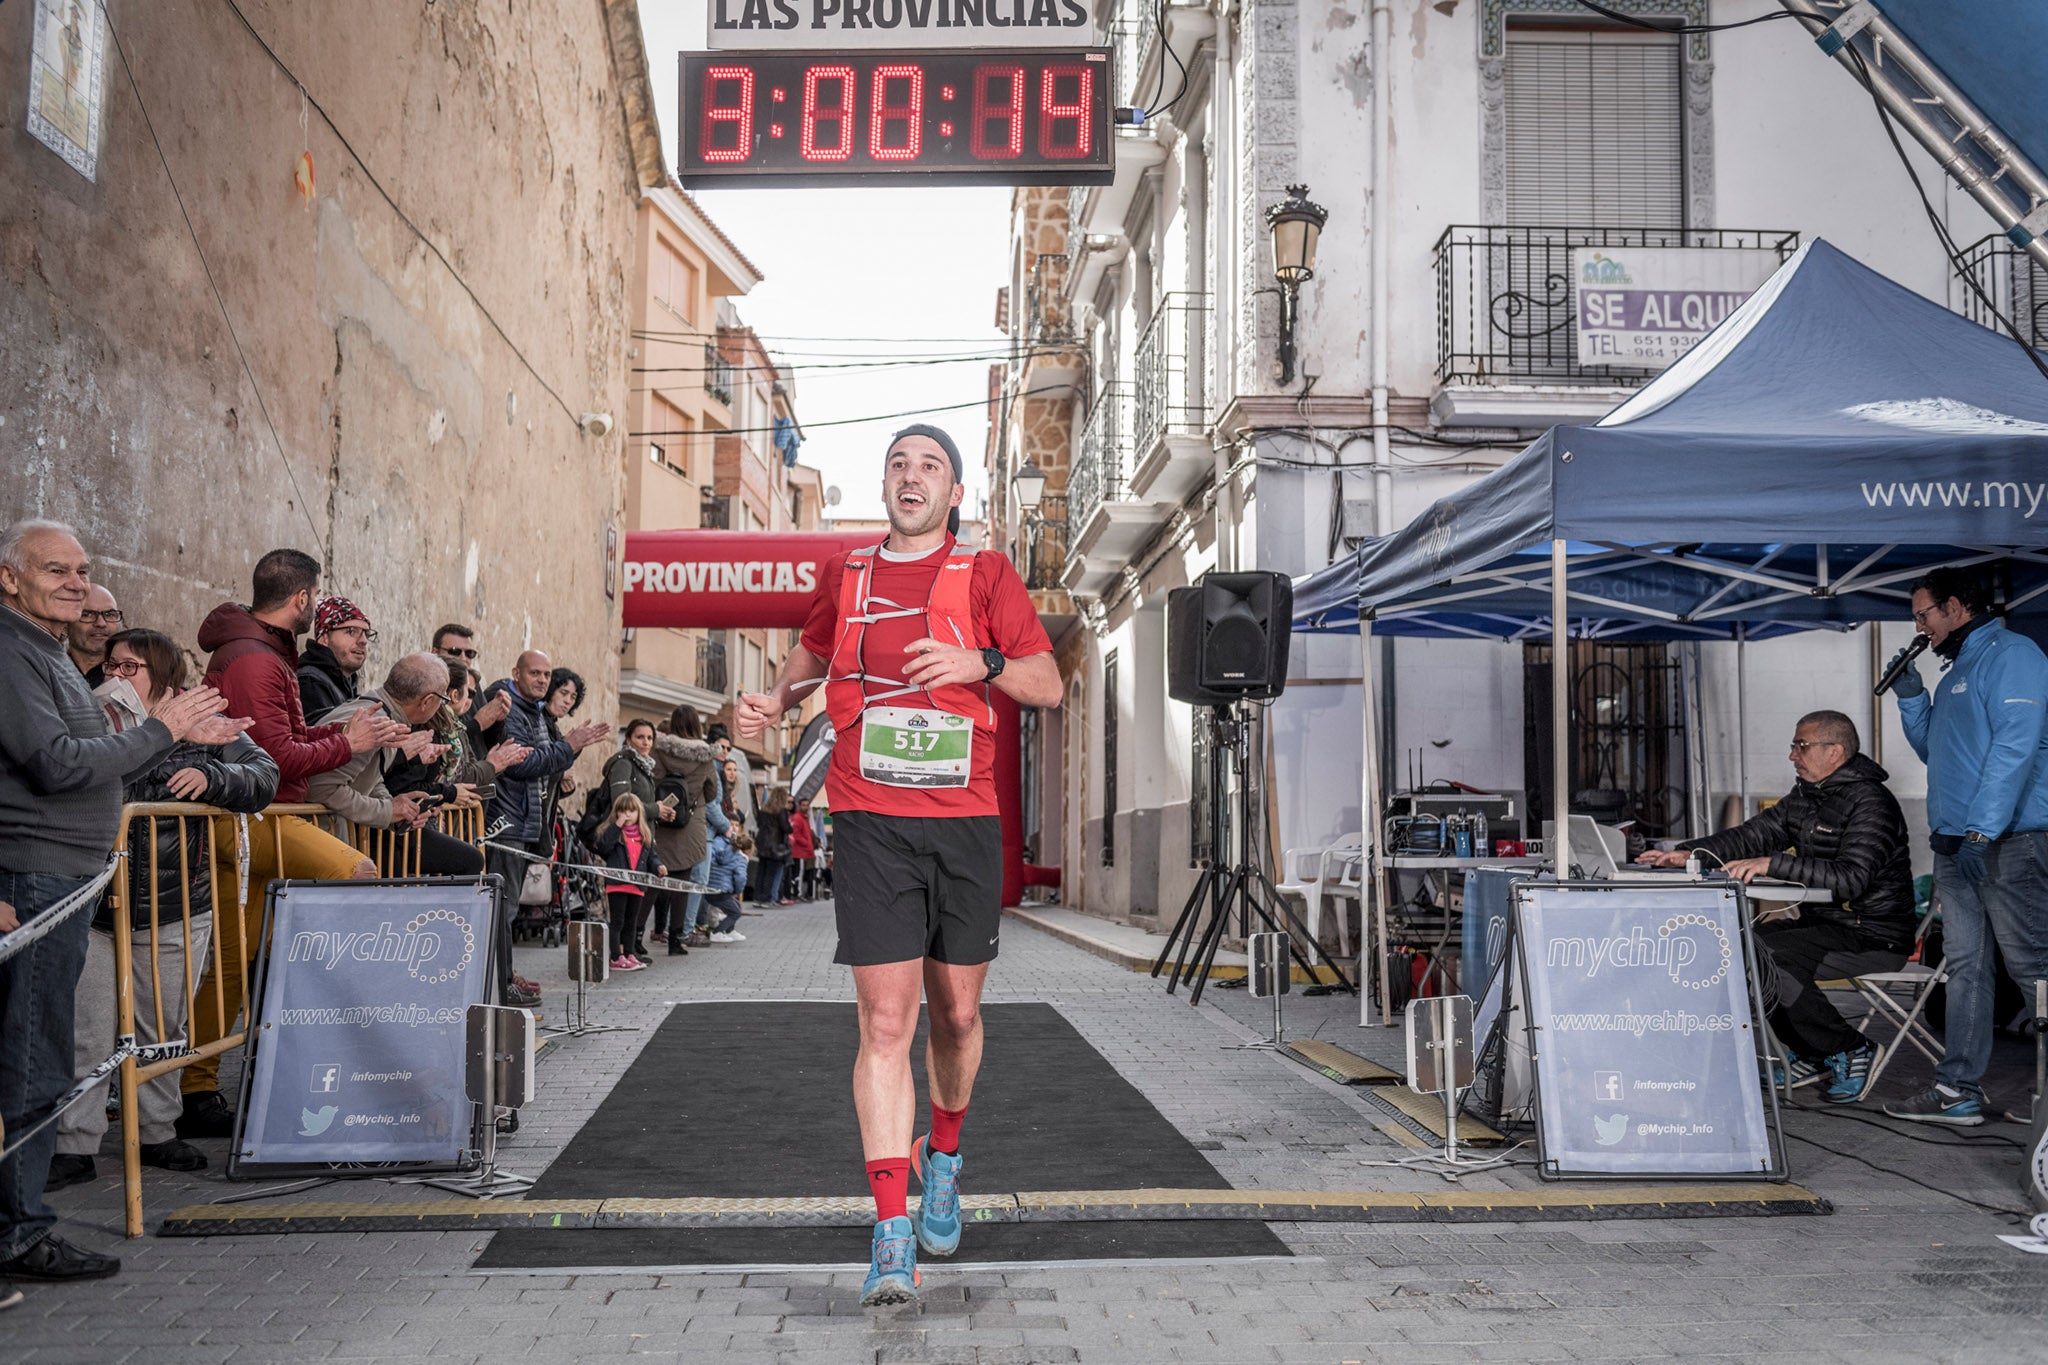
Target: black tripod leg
{"type": "Point", "coordinates": [1233, 887]}
{"type": "Point", "coordinates": [1288, 924]}
{"type": "Point", "coordinates": [1191, 963]}
{"type": "Point", "coordinates": [1190, 916]}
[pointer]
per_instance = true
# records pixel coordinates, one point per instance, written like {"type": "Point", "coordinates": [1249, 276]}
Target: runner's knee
{"type": "Point", "coordinates": [888, 1026]}
{"type": "Point", "coordinates": [955, 1020]}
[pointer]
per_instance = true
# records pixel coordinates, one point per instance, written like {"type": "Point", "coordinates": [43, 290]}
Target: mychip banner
{"type": "Point", "coordinates": [1644, 307]}
{"type": "Point", "coordinates": [358, 1048]}
{"type": "Point", "coordinates": [1643, 1028]}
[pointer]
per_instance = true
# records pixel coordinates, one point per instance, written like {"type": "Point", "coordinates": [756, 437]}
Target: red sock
{"type": "Point", "coordinates": [946, 1129]}
{"type": "Point", "coordinates": [889, 1179]}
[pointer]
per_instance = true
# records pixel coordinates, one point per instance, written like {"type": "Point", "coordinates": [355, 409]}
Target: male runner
{"type": "Point", "coordinates": [910, 636]}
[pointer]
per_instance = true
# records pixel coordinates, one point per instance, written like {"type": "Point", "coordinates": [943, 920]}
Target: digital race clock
{"type": "Point", "coordinates": [1013, 117]}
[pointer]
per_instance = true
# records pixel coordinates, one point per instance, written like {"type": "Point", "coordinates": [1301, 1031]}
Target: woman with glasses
{"type": "Point", "coordinates": [171, 880]}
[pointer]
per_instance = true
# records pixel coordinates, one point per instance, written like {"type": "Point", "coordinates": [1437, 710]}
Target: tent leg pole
{"type": "Point", "coordinates": [1742, 717]}
{"type": "Point", "coordinates": [1560, 714]}
{"type": "Point", "coordinates": [1372, 958]}
{"type": "Point", "coordinates": [1873, 742]}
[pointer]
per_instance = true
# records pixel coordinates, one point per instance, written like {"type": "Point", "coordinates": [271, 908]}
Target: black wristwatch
{"type": "Point", "coordinates": [993, 657]}
{"type": "Point", "coordinates": [1976, 837]}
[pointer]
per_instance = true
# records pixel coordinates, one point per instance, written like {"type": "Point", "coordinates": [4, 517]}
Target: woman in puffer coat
{"type": "Point", "coordinates": [173, 856]}
{"type": "Point", "coordinates": [684, 763]}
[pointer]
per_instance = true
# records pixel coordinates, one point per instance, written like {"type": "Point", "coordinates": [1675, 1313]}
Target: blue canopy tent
{"type": "Point", "coordinates": [1833, 439]}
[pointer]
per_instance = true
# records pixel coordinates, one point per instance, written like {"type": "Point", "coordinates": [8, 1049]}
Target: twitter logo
{"type": "Point", "coordinates": [313, 1123]}
{"type": "Point", "coordinates": [1606, 1132]}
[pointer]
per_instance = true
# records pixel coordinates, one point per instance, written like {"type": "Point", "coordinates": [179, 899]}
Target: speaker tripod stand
{"type": "Point", "coordinates": [1232, 882]}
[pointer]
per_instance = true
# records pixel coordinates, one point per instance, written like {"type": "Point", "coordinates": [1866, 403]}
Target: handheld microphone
{"type": "Point", "coordinates": [1900, 665]}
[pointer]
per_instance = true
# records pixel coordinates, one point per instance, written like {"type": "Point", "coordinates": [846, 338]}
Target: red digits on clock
{"type": "Point", "coordinates": [728, 108]}
{"type": "Point", "coordinates": [910, 113]}
{"type": "Point", "coordinates": [828, 126]}
{"type": "Point", "coordinates": [1069, 142]}
{"type": "Point", "coordinates": [998, 100]}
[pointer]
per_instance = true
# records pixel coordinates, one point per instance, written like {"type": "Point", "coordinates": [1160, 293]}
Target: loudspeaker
{"type": "Point", "coordinates": [1226, 638]}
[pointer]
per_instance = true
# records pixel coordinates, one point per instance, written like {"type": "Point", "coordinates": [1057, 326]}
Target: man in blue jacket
{"type": "Point", "coordinates": [1983, 738]}
{"type": "Point", "coordinates": [518, 813]}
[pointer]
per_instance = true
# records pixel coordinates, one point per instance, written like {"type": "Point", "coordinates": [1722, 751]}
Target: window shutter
{"type": "Point", "coordinates": [1595, 129]}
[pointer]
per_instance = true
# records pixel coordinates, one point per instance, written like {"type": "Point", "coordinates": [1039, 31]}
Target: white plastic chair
{"type": "Point", "coordinates": [1301, 875]}
{"type": "Point", "coordinates": [1339, 878]}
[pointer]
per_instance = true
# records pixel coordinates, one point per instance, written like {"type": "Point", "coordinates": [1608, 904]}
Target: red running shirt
{"type": "Point", "coordinates": [1003, 617]}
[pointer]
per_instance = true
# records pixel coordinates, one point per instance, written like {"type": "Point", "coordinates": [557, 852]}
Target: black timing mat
{"type": "Point", "coordinates": [739, 1100]}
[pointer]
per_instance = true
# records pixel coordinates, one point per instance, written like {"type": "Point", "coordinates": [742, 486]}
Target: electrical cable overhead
{"type": "Point", "coordinates": [206, 266]}
{"type": "Point", "coordinates": [844, 421]}
{"type": "Point", "coordinates": [403, 217]}
{"type": "Point", "coordinates": [1637, 21]}
{"type": "Point", "coordinates": [988, 358]}
{"type": "Point", "coordinates": [1166, 50]}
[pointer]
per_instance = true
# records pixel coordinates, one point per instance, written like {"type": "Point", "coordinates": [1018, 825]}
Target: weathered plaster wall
{"type": "Point", "coordinates": [422, 459]}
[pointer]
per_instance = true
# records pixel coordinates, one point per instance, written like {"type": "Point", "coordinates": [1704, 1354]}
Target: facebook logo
{"type": "Point", "coordinates": [1607, 1085]}
{"type": "Point", "coordinates": [326, 1078]}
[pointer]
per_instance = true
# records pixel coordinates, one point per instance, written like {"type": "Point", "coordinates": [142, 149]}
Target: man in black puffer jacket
{"type": "Point", "coordinates": [1842, 829]}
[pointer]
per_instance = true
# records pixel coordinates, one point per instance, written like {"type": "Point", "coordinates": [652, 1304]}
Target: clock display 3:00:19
{"type": "Point", "coordinates": [1016, 117]}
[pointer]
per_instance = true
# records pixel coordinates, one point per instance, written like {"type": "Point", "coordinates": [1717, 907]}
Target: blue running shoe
{"type": "Point", "coordinates": [938, 1212]}
{"type": "Point", "coordinates": [1804, 1072]}
{"type": "Point", "coordinates": [1937, 1104]}
{"type": "Point", "coordinates": [1850, 1075]}
{"type": "Point", "coordinates": [892, 1273]}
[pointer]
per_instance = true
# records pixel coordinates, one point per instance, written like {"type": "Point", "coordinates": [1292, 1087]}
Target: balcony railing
{"type": "Point", "coordinates": [1103, 455]}
{"type": "Point", "coordinates": [711, 671]}
{"type": "Point", "coordinates": [2016, 284]}
{"type": "Point", "coordinates": [1045, 544]}
{"type": "Point", "coordinates": [1505, 304]}
{"type": "Point", "coordinates": [717, 374]}
{"type": "Point", "coordinates": [1170, 386]}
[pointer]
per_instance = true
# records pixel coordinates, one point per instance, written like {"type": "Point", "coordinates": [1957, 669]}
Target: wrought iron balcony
{"type": "Point", "coordinates": [1505, 302]}
{"type": "Point", "coordinates": [711, 670]}
{"type": "Point", "coordinates": [717, 374]}
{"type": "Point", "coordinates": [1102, 456]}
{"type": "Point", "coordinates": [1045, 544]}
{"type": "Point", "coordinates": [2015, 283]}
{"type": "Point", "coordinates": [1172, 375]}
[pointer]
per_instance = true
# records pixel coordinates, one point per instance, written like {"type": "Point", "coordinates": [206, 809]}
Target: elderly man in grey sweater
{"type": "Point", "coordinates": [60, 806]}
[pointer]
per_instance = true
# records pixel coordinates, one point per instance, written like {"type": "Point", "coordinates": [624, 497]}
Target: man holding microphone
{"type": "Point", "coordinates": [1982, 735]}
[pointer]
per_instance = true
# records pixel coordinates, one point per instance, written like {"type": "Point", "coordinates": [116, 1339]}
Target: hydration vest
{"type": "Point", "coordinates": [948, 617]}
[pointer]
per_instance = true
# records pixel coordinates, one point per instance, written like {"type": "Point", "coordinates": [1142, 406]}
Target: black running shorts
{"type": "Point", "coordinates": [908, 887]}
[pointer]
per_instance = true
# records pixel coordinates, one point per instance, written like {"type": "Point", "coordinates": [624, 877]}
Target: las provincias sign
{"type": "Point", "coordinates": [781, 25]}
{"type": "Point", "coordinates": [724, 579]}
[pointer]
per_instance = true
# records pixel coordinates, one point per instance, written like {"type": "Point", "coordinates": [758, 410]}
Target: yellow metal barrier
{"type": "Point", "coordinates": [396, 854]}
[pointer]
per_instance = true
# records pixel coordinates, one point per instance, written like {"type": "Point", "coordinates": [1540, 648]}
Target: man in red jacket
{"type": "Point", "coordinates": [255, 662]}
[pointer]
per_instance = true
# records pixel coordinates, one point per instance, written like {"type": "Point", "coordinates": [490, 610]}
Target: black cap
{"type": "Point", "coordinates": [945, 443]}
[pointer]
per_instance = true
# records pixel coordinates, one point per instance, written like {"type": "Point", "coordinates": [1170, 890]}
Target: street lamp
{"type": "Point", "coordinates": [1029, 485]}
{"type": "Point", "coordinates": [1295, 223]}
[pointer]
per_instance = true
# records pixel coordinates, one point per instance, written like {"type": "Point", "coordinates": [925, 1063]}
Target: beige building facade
{"type": "Point", "coordinates": [351, 288]}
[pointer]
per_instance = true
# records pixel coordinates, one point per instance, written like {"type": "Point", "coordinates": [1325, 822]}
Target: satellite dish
{"type": "Point", "coordinates": [832, 496]}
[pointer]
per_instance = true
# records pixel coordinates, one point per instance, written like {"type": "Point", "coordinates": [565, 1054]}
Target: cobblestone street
{"type": "Point", "coordinates": [1901, 1271]}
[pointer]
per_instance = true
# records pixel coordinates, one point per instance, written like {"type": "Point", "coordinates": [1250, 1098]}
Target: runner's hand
{"type": "Point", "coordinates": [938, 664]}
{"type": "Point", "coordinates": [9, 921]}
{"type": "Point", "coordinates": [754, 712]}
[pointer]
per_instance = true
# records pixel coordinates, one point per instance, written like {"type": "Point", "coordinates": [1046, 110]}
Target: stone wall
{"type": "Point", "coordinates": [425, 314]}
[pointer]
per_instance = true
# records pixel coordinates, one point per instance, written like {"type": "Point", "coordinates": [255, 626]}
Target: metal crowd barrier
{"type": "Point", "coordinates": [396, 854]}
